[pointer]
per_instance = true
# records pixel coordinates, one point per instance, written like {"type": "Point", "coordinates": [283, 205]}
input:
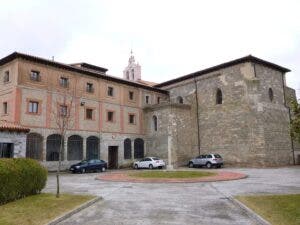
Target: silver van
{"type": "Point", "coordinates": [209, 160]}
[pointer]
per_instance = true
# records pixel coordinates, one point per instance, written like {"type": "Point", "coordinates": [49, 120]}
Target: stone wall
{"type": "Point", "coordinates": [173, 140]}
{"type": "Point", "coordinates": [247, 128]}
{"type": "Point", "coordinates": [16, 138]}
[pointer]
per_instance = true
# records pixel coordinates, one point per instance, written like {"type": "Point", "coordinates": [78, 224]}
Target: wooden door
{"type": "Point", "coordinates": [112, 157]}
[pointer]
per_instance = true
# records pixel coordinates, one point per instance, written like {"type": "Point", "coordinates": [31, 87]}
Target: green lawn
{"type": "Point", "coordinates": [171, 174]}
{"type": "Point", "coordinates": [277, 209]}
{"type": "Point", "coordinates": [39, 209]}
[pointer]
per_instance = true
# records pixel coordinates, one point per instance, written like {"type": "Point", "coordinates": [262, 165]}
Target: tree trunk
{"type": "Point", "coordinates": [58, 168]}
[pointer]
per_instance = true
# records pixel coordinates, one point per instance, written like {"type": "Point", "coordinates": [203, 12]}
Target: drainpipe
{"type": "Point", "coordinates": [284, 102]}
{"type": "Point", "coordinates": [197, 107]}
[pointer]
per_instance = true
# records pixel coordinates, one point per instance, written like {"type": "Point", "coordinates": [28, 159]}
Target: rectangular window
{"type": "Point", "coordinates": [110, 116]}
{"type": "Point", "coordinates": [5, 108]}
{"type": "Point", "coordinates": [6, 77]}
{"type": "Point", "coordinates": [6, 150]}
{"type": "Point", "coordinates": [158, 100]}
{"type": "Point", "coordinates": [131, 95]}
{"type": "Point", "coordinates": [35, 75]}
{"type": "Point", "coordinates": [63, 110]}
{"type": "Point", "coordinates": [33, 107]}
{"type": "Point", "coordinates": [131, 118]}
{"type": "Point", "coordinates": [89, 114]}
{"type": "Point", "coordinates": [89, 88]}
{"type": "Point", "coordinates": [110, 91]}
{"type": "Point", "coordinates": [64, 82]}
{"type": "Point", "coordinates": [147, 99]}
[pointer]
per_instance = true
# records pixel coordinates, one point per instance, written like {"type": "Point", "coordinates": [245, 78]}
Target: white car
{"type": "Point", "coordinates": [149, 162]}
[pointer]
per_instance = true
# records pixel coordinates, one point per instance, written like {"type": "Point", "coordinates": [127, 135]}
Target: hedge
{"type": "Point", "coordinates": [19, 178]}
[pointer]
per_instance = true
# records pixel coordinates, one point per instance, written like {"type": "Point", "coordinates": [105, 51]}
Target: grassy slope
{"type": "Point", "coordinates": [39, 209]}
{"type": "Point", "coordinates": [277, 209]}
{"type": "Point", "coordinates": [171, 174]}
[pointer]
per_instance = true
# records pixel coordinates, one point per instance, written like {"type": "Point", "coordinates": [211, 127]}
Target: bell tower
{"type": "Point", "coordinates": [133, 71]}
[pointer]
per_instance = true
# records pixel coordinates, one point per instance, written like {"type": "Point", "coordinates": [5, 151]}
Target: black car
{"type": "Point", "coordinates": [97, 165]}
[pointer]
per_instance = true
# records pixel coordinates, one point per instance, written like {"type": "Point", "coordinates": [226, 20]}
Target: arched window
{"type": "Point", "coordinates": [92, 148]}
{"type": "Point", "coordinates": [154, 123]}
{"type": "Point", "coordinates": [179, 100]}
{"type": "Point", "coordinates": [34, 146]}
{"type": "Point", "coordinates": [127, 75]}
{"type": "Point", "coordinates": [219, 97]}
{"type": "Point", "coordinates": [75, 148]}
{"type": "Point", "coordinates": [138, 148]}
{"type": "Point", "coordinates": [53, 146]}
{"type": "Point", "coordinates": [127, 148]}
{"type": "Point", "coordinates": [271, 94]}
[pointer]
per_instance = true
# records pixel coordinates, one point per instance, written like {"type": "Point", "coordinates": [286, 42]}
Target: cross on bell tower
{"type": "Point", "coordinates": [133, 70]}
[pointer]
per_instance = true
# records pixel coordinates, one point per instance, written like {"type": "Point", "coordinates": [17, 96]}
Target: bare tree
{"type": "Point", "coordinates": [62, 115]}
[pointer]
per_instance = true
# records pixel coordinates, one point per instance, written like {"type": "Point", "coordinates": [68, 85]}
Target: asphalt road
{"type": "Point", "coordinates": [192, 203]}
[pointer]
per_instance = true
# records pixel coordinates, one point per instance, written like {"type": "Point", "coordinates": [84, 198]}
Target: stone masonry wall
{"type": "Point", "coordinates": [19, 141]}
{"type": "Point", "coordinates": [246, 129]}
{"type": "Point", "coordinates": [174, 133]}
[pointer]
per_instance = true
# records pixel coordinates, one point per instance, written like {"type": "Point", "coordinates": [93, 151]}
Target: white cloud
{"type": "Point", "coordinates": [169, 38]}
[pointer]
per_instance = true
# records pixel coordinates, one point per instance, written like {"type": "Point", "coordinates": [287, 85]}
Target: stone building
{"type": "Point", "coordinates": [237, 109]}
{"type": "Point", "coordinates": [12, 140]}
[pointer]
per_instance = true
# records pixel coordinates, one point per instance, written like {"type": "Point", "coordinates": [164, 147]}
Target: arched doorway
{"type": "Point", "coordinates": [92, 148]}
{"type": "Point", "coordinates": [53, 146]}
{"type": "Point", "coordinates": [75, 147]}
{"type": "Point", "coordinates": [138, 148]}
{"type": "Point", "coordinates": [34, 146]}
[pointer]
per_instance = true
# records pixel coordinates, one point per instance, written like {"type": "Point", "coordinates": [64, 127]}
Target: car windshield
{"type": "Point", "coordinates": [83, 162]}
{"type": "Point", "coordinates": [217, 156]}
{"type": "Point", "coordinates": [155, 158]}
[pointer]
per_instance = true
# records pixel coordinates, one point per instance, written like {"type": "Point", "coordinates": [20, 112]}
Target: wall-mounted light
{"type": "Point", "coordinates": [82, 103]}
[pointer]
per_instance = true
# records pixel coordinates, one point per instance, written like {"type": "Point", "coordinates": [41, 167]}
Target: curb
{"type": "Point", "coordinates": [128, 179]}
{"type": "Point", "coordinates": [249, 211]}
{"type": "Point", "coordinates": [74, 211]}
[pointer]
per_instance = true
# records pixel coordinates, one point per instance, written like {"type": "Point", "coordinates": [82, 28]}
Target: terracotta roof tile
{"type": "Point", "coordinates": [148, 83]}
{"type": "Point", "coordinates": [10, 126]}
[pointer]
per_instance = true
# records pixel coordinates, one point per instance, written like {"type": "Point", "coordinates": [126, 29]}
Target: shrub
{"type": "Point", "coordinates": [19, 178]}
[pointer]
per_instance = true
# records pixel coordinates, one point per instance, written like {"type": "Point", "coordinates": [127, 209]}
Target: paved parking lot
{"type": "Point", "coordinates": [177, 203]}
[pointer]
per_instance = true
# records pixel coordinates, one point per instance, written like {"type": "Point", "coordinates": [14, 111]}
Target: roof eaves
{"type": "Point", "coordinates": [15, 55]}
{"type": "Point", "coordinates": [248, 58]}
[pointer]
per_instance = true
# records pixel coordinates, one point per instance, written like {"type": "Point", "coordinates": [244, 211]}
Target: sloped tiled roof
{"type": "Point", "coordinates": [86, 69]}
{"type": "Point", "coordinates": [10, 126]}
{"type": "Point", "coordinates": [248, 58]}
{"type": "Point", "coordinates": [148, 83]}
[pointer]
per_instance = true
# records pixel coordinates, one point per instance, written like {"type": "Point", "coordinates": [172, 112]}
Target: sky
{"type": "Point", "coordinates": [169, 38]}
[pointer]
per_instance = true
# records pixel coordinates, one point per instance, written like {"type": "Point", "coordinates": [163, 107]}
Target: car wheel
{"type": "Point", "coordinates": [191, 164]}
{"type": "Point", "coordinates": [150, 166]}
{"type": "Point", "coordinates": [103, 169]}
{"type": "Point", "coordinates": [136, 166]}
{"type": "Point", "coordinates": [83, 170]}
{"type": "Point", "coordinates": [208, 165]}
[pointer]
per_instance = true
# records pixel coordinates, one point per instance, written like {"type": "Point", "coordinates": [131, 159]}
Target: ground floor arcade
{"type": "Point", "coordinates": [117, 149]}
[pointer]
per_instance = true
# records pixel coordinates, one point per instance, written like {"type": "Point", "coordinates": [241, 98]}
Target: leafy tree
{"type": "Point", "coordinates": [295, 121]}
